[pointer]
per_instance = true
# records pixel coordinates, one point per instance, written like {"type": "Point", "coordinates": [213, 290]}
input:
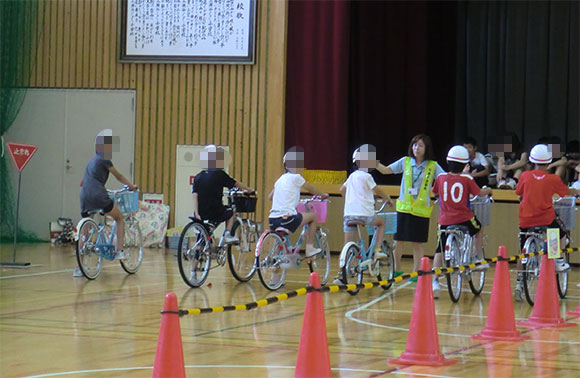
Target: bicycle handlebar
{"type": "Point", "coordinates": [125, 188]}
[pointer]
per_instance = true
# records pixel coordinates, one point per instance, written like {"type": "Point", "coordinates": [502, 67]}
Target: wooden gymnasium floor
{"type": "Point", "coordinates": [53, 325]}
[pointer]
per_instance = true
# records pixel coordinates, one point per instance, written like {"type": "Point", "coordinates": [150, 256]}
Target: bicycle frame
{"type": "Point", "coordinates": [467, 244]}
{"type": "Point", "coordinates": [289, 249]}
{"type": "Point", "coordinates": [366, 253]}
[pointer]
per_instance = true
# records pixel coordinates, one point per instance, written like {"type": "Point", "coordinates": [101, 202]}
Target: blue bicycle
{"type": "Point", "coordinates": [356, 259]}
{"type": "Point", "coordinates": [97, 239]}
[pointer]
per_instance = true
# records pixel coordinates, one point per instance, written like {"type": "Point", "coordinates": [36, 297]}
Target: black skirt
{"type": "Point", "coordinates": [411, 228]}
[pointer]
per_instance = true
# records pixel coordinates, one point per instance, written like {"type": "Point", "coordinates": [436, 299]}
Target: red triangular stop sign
{"type": "Point", "coordinates": [21, 154]}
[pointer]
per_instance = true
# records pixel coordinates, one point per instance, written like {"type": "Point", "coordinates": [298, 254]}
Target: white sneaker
{"type": "Point", "coordinates": [562, 265]}
{"type": "Point", "coordinates": [509, 183]}
{"type": "Point", "coordinates": [231, 239]}
{"type": "Point", "coordinates": [121, 255]}
{"type": "Point", "coordinates": [313, 252]}
{"type": "Point", "coordinates": [381, 255]}
{"type": "Point", "coordinates": [436, 289]}
{"type": "Point", "coordinates": [519, 292]}
{"type": "Point", "coordinates": [337, 281]}
{"type": "Point", "coordinates": [77, 272]}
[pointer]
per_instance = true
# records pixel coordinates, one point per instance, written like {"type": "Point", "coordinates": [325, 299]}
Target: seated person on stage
{"type": "Point", "coordinates": [479, 167]}
{"type": "Point", "coordinates": [512, 161]}
{"type": "Point", "coordinates": [208, 190]}
{"type": "Point", "coordinates": [565, 167]}
{"type": "Point", "coordinates": [453, 190]}
{"type": "Point", "coordinates": [536, 189]}
{"type": "Point", "coordinates": [286, 195]}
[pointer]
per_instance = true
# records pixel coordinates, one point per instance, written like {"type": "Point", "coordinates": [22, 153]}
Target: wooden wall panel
{"type": "Point", "coordinates": [237, 105]}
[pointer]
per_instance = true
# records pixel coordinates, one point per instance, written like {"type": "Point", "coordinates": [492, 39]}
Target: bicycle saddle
{"type": "Point", "coordinates": [458, 227]}
{"type": "Point", "coordinates": [538, 229]}
{"type": "Point", "coordinates": [86, 214]}
{"type": "Point", "coordinates": [283, 230]}
{"type": "Point", "coordinates": [354, 223]}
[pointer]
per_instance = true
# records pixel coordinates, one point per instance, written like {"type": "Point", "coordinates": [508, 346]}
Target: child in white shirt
{"type": "Point", "coordinates": [285, 197]}
{"type": "Point", "coordinates": [359, 191]}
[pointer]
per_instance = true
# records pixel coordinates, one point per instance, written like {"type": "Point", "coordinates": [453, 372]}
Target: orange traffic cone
{"type": "Point", "coordinates": [423, 341]}
{"type": "Point", "coordinates": [501, 321]}
{"type": "Point", "coordinates": [313, 359]}
{"type": "Point", "coordinates": [547, 306]}
{"type": "Point", "coordinates": [169, 357]}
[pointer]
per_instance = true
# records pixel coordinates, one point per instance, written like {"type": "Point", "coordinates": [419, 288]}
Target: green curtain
{"type": "Point", "coordinates": [19, 30]}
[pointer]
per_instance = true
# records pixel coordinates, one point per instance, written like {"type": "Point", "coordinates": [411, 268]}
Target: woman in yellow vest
{"type": "Point", "coordinates": [414, 204]}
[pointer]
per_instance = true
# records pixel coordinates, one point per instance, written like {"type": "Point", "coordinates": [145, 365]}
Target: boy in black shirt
{"type": "Point", "coordinates": [208, 187]}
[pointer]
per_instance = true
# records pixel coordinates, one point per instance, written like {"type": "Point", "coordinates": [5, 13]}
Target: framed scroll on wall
{"type": "Point", "coordinates": [188, 31]}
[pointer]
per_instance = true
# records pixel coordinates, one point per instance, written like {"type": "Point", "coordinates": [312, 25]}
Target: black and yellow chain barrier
{"type": "Point", "coordinates": [366, 285]}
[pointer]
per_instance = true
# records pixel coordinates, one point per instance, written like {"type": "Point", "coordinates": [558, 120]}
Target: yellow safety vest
{"type": "Point", "coordinates": [419, 206]}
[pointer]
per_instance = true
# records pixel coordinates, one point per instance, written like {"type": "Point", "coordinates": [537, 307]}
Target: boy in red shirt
{"type": "Point", "coordinates": [536, 189]}
{"type": "Point", "coordinates": [454, 189]}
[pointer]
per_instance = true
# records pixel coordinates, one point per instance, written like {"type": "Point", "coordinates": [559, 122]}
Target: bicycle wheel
{"type": "Point", "coordinates": [321, 262]}
{"type": "Point", "coordinates": [194, 254]}
{"type": "Point", "coordinates": [387, 266]}
{"type": "Point", "coordinates": [241, 256]}
{"type": "Point", "coordinates": [350, 270]}
{"type": "Point", "coordinates": [531, 269]}
{"type": "Point", "coordinates": [562, 278]}
{"type": "Point", "coordinates": [453, 279]}
{"type": "Point", "coordinates": [133, 246]}
{"type": "Point", "coordinates": [271, 251]}
{"type": "Point", "coordinates": [477, 277]}
{"type": "Point", "coordinates": [89, 260]}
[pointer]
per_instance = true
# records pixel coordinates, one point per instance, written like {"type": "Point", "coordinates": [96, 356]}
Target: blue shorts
{"type": "Point", "coordinates": [290, 223]}
{"type": "Point", "coordinates": [361, 218]}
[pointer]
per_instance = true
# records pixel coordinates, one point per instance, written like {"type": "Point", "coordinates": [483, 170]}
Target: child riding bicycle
{"type": "Point", "coordinates": [286, 195]}
{"type": "Point", "coordinates": [454, 189]}
{"type": "Point", "coordinates": [536, 189]}
{"type": "Point", "coordinates": [208, 187]}
{"type": "Point", "coordinates": [94, 195]}
{"type": "Point", "coordinates": [359, 205]}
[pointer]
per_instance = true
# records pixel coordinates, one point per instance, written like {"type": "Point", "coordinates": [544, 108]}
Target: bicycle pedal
{"type": "Point", "coordinates": [366, 263]}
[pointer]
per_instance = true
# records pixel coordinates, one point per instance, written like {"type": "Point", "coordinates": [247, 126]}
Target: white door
{"type": "Point", "coordinates": [89, 112]}
{"type": "Point", "coordinates": [63, 124]}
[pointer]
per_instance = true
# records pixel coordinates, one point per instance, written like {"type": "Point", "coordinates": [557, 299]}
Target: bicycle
{"type": "Point", "coordinates": [96, 239]}
{"type": "Point", "coordinates": [355, 259]}
{"type": "Point", "coordinates": [536, 241]}
{"type": "Point", "coordinates": [461, 249]}
{"type": "Point", "coordinates": [275, 253]}
{"type": "Point", "coordinates": [197, 245]}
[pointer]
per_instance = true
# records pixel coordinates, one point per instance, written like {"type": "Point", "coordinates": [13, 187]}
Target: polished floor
{"type": "Point", "coordinates": [53, 325]}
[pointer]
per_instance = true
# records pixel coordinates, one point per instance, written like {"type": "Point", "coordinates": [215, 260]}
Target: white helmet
{"type": "Point", "coordinates": [540, 154]}
{"type": "Point", "coordinates": [367, 148]}
{"type": "Point", "coordinates": [458, 154]}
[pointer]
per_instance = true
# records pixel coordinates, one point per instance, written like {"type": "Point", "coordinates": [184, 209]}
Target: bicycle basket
{"type": "Point", "coordinates": [390, 223]}
{"type": "Point", "coordinates": [245, 204]}
{"type": "Point", "coordinates": [481, 207]}
{"type": "Point", "coordinates": [565, 207]}
{"type": "Point", "coordinates": [128, 202]}
{"type": "Point", "coordinates": [318, 207]}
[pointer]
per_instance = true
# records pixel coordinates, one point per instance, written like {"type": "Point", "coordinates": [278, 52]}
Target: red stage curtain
{"type": "Point", "coordinates": [317, 81]}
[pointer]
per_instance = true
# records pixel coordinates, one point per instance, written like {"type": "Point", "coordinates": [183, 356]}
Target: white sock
{"type": "Point", "coordinates": [309, 247]}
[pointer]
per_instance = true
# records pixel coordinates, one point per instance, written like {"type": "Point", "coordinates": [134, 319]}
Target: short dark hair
{"type": "Point", "coordinates": [470, 140]}
{"type": "Point", "coordinates": [429, 154]}
{"type": "Point", "coordinates": [455, 166]}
